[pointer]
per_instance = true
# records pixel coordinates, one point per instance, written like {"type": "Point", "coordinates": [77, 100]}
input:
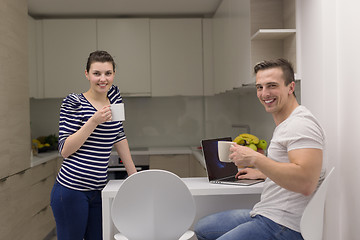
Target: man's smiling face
{"type": "Point", "coordinates": [271, 90]}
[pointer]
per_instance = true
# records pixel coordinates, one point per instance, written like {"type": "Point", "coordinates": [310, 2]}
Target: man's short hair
{"type": "Point", "coordinates": [285, 65]}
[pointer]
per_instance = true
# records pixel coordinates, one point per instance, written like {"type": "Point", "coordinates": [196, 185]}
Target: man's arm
{"type": "Point", "coordinates": [250, 173]}
{"type": "Point", "coordinates": [300, 175]}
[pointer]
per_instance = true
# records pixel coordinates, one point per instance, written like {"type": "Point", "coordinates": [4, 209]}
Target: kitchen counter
{"type": "Point", "coordinates": [47, 156]}
{"type": "Point", "coordinates": [209, 198]}
{"type": "Point", "coordinates": [43, 157]}
{"type": "Point", "coordinates": [158, 150]}
{"type": "Point", "coordinates": [197, 152]}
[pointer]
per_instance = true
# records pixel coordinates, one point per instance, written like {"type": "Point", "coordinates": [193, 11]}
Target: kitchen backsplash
{"type": "Point", "coordinates": [172, 121]}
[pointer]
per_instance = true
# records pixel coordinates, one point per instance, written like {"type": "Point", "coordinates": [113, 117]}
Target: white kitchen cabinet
{"type": "Point", "coordinates": [35, 63]}
{"type": "Point", "coordinates": [32, 72]}
{"type": "Point", "coordinates": [221, 48]}
{"type": "Point", "coordinates": [231, 41]}
{"type": "Point", "coordinates": [247, 32]}
{"type": "Point", "coordinates": [128, 41]}
{"type": "Point", "coordinates": [273, 30]}
{"type": "Point", "coordinates": [208, 56]}
{"type": "Point", "coordinates": [176, 57]}
{"type": "Point", "coordinates": [67, 44]}
{"type": "Point", "coordinates": [163, 59]}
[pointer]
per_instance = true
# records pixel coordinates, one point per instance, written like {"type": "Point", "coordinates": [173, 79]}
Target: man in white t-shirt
{"type": "Point", "coordinates": [293, 167]}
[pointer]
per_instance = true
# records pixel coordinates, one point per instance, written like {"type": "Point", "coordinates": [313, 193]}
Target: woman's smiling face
{"type": "Point", "coordinates": [271, 90]}
{"type": "Point", "coordinates": [101, 76]}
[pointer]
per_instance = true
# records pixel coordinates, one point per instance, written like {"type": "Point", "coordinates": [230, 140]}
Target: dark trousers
{"type": "Point", "coordinates": [78, 214]}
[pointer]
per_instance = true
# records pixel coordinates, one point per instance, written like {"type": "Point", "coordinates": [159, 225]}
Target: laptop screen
{"type": "Point", "coordinates": [215, 168]}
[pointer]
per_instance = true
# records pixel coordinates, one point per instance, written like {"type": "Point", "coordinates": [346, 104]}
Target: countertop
{"type": "Point", "coordinates": [159, 150]}
{"type": "Point", "coordinates": [43, 157]}
{"type": "Point", "coordinates": [208, 197]}
{"type": "Point", "coordinates": [198, 186]}
{"type": "Point", "coordinates": [47, 156]}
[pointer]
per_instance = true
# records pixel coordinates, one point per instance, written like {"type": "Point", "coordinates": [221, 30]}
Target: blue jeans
{"type": "Point", "coordinates": [78, 214]}
{"type": "Point", "coordinates": [239, 225]}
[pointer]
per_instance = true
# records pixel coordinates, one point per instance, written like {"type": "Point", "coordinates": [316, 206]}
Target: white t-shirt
{"type": "Point", "coordinates": [299, 130]}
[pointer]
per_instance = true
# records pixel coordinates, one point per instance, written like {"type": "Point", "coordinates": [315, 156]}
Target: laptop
{"type": "Point", "coordinates": [221, 172]}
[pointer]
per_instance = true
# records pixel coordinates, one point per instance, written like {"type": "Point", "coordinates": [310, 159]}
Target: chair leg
{"type": "Point", "coordinates": [187, 235]}
{"type": "Point", "coordinates": [119, 236]}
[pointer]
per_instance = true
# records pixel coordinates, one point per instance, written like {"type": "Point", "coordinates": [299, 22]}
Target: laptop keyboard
{"type": "Point", "coordinates": [230, 179]}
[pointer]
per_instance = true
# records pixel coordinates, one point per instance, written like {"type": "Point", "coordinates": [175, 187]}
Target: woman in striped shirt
{"type": "Point", "coordinates": [86, 138]}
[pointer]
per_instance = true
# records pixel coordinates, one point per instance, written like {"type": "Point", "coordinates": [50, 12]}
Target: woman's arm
{"type": "Point", "coordinates": [122, 148]}
{"type": "Point", "coordinates": [77, 139]}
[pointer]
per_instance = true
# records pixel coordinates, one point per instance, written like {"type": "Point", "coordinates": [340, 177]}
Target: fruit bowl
{"type": "Point", "coordinates": [44, 149]}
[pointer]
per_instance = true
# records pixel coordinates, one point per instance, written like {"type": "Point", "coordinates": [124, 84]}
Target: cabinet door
{"type": "Point", "coordinates": [273, 29]}
{"type": "Point", "coordinates": [222, 48]}
{"type": "Point", "coordinates": [67, 44]}
{"type": "Point", "coordinates": [176, 57]}
{"type": "Point", "coordinates": [208, 54]}
{"type": "Point", "coordinates": [128, 41]}
{"type": "Point", "coordinates": [32, 66]}
{"type": "Point", "coordinates": [231, 34]}
{"type": "Point", "coordinates": [178, 164]}
{"type": "Point", "coordinates": [239, 42]}
{"type": "Point", "coordinates": [35, 58]}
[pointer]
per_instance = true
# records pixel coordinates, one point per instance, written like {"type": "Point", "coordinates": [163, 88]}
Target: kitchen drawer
{"type": "Point", "coordinates": [176, 163]}
{"type": "Point", "coordinates": [40, 224]}
{"type": "Point", "coordinates": [196, 169]}
{"type": "Point", "coordinates": [26, 196]}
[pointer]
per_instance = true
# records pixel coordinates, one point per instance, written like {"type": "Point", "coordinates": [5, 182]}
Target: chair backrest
{"type": "Point", "coordinates": [153, 205]}
{"type": "Point", "coordinates": [312, 221]}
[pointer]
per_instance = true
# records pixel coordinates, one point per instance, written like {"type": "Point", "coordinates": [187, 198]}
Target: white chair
{"type": "Point", "coordinates": [153, 205]}
{"type": "Point", "coordinates": [312, 221]}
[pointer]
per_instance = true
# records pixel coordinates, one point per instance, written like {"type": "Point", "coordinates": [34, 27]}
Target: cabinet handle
{"type": "Point", "coordinates": [42, 210]}
{"type": "Point", "coordinates": [3, 179]}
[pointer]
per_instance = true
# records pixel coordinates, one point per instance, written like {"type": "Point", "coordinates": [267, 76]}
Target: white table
{"type": "Point", "coordinates": [209, 198]}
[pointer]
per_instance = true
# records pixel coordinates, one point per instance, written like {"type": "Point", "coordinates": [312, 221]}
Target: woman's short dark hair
{"type": "Point", "coordinates": [99, 56]}
{"type": "Point", "coordinates": [284, 64]}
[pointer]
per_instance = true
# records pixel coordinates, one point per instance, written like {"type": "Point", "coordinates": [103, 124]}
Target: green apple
{"type": "Point", "coordinates": [252, 146]}
{"type": "Point", "coordinates": [262, 144]}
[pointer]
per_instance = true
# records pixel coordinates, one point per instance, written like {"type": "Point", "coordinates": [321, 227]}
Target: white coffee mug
{"type": "Point", "coordinates": [224, 150]}
{"type": "Point", "coordinates": [117, 112]}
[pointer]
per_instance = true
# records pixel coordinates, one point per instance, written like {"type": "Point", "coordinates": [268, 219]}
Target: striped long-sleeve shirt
{"type": "Point", "coordinates": [86, 169]}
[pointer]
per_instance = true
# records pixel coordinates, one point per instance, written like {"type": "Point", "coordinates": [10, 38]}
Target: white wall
{"type": "Point", "coordinates": [225, 112]}
{"type": "Point", "coordinates": [330, 85]}
{"type": "Point", "coordinates": [150, 122]}
{"type": "Point", "coordinates": [172, 121]}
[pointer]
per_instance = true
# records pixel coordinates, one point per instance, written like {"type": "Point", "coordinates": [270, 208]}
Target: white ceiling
{"type": "Point", "coordinates": [122, 8]}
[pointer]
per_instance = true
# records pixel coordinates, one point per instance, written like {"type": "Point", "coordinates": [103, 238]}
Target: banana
{"type": "Point", "coordinates": [249, 138]}
{"type": "Point", "coordinates": [239, 140]}
{"type": "Point", "coordinates": [251, 141]}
